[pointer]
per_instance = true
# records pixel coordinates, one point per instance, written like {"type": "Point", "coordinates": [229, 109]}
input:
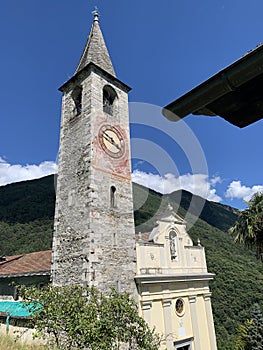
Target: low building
{"type": "Point", "coordinates": [31, 269]}
{"type": "Point", "coordinates": [23, 269]}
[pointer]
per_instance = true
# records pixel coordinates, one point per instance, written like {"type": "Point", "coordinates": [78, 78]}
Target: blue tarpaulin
{"type": "Point", "coordinates": [14, 308]}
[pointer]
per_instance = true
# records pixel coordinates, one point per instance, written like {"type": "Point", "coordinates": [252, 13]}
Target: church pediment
{"type": "Point", "coordinates": [170, 222]}
{"type": "Point", "coordinates": [173, 217]}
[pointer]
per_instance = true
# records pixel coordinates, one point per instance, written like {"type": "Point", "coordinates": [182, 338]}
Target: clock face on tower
{"type": "Point", "coordinates": [111, 141]}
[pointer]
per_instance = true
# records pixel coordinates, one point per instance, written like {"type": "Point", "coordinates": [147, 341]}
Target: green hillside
{"type": "Point", "coordinates": [26, 216]}
{"type": "Point", "coordinates": [26, 220]}
{"type": "Point", "coordinates": [27, 201]}
{"type": "Point", "coordinates": [216, 214]}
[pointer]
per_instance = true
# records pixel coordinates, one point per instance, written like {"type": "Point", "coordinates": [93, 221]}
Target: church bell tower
{"type": "Point", "coordinates": [93, 241]}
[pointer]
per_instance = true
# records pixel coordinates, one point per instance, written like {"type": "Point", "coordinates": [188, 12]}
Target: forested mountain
{"type": "Point", "coordinates": [26, 216]}
{"type": "Point", "coordinates": [26, 201]}
{"type": "Point", "coordinates": [26, 220]}
{"type": "Point", "coordinates": [151, 204]}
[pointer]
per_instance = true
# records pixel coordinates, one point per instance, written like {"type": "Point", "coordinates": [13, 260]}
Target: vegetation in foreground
{"type": "Point", "coordinates": [9, 343]}
{"type": "Point", "coordinates": [75, 317]}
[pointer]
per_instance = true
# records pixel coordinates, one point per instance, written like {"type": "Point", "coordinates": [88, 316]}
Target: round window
{"type": "Point", "coordinates": [179, 307]}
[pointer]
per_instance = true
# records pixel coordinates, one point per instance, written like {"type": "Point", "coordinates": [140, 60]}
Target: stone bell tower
{"type": "Point", "coordinates": [93, 241]}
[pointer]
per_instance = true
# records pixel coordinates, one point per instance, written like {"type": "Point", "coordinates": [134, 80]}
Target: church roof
{"type": "Point", "coordinates": [36, 263]}
{"type": "Point", "coordinates": [95, 50]}
{"type": "Point", "coordinates": [142, 236]}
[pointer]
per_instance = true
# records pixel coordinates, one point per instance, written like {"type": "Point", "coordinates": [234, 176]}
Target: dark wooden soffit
{"type": "Point", "coordinates": [235, 93]}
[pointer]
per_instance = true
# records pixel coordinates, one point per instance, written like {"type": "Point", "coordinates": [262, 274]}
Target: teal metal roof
{"type": "Point", "coordinates": [14, 308]}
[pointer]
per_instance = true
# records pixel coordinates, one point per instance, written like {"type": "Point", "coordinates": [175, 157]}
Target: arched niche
{"type": "Point", "coordinates": [173, 241]}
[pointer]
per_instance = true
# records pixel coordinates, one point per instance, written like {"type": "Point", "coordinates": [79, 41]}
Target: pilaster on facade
{"type": "Point", "coordinates": [168, 323]}
{"type": "Point", "coordinates": [210, 321]}
{"type": "Point", "coordinates": [195, 323]}
{"type": "Point", "coordinates": [192, 299]}
{"type": "Point", "coordinates": [146, 306]}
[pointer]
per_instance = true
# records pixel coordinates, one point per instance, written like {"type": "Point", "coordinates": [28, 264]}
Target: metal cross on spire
{"type": "Point", "coordinates": [96, 13]}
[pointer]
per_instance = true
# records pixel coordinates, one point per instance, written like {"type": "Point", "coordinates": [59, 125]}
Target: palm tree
{"type": "Point", "coordinates": [249, 226]}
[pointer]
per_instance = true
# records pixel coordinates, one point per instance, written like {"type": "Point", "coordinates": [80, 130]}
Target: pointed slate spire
{"type": "Point", "coordinates": [95, 50]}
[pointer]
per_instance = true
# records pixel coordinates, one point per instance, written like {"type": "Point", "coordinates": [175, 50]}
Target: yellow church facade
{"type": "Point", "coordinates": [172, 282]}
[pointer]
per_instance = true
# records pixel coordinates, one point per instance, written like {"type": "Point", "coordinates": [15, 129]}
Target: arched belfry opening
{"type": "Point", "coordinates": [77, 98]}
{"type": "Point", "coordinates": [109, 100]}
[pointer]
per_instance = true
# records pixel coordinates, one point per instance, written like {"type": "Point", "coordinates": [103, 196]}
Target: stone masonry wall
{"type": "Point", "coordinates": [93, 243]}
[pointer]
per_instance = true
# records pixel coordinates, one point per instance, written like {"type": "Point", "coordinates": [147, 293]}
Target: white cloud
{"type": "Point", "coordinates": [236, 190]}
{"type": "Point", "coordinates": [198, 184]}
{"type": "Point", "coordinates": [215, 180]}
{"type": "Point", "coordinates": [16, 172]}
{"type": "Point", "coordinates": [212, 196]}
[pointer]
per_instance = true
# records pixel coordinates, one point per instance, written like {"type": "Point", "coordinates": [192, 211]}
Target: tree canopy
{"type": "Point", "coordinates": [74, 317]}
{"type": "Point", "coordinates": [250, 333]}
{"type": "Point", "coordinates": [249, 226]}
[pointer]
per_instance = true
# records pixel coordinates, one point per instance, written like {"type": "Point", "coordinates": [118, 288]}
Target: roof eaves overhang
{"type": "Point", "coordinates": [231, 79]}
{"type": "Point", "coordinates": [25, 274]}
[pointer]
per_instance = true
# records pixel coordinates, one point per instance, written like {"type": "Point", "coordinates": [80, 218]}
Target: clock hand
{"type": "Point", "coordinates": [111, 140]}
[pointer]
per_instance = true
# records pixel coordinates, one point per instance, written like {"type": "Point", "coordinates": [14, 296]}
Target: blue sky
{"type": "Point", "coordinates": [160, 49]}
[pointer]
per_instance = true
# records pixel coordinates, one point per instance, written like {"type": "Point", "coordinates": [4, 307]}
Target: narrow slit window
{"type": "Point", "coordinates": [118, 286]}
{"type": "Point", "coordinates": [113, 196]}
{"type": "Point", "coordinates": [114, 239]}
